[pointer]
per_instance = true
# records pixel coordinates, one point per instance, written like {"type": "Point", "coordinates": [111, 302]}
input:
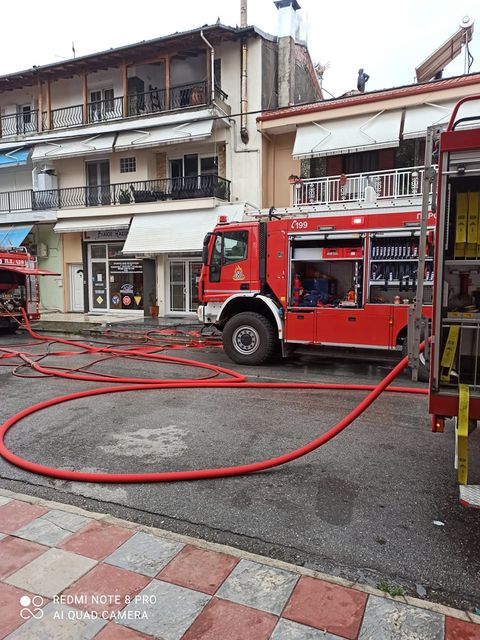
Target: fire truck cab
{"type": "Point", "coordinates": [18, 287]}
{"type": "Point", "coordinates": [336, 280]}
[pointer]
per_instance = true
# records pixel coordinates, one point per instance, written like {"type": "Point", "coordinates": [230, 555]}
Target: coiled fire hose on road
{"type": "Point", "coordinates": [236, 381]}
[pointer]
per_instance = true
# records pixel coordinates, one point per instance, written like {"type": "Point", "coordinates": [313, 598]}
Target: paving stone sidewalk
{"type": "Point", "coordinates": [69, 574]}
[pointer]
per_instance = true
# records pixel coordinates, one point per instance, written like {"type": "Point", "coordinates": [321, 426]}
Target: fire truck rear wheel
{"type": "Point", "coordinates": [249, 338]}
{"type": "Point", "coordinates": [423, 371]}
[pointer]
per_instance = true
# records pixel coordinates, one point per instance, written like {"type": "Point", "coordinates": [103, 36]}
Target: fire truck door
{"type": "Point", "coordinates": [230, 265]}
{"type": "Point", "coordinates": [369, 327]}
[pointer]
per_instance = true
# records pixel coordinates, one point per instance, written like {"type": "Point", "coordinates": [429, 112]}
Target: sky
{"type": "Point", "coordinates": [388, 39]}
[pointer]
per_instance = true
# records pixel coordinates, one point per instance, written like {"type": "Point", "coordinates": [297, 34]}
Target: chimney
{"type": "Point", "coordinates": [287, 30]}
{"type": "Point", "coordinates": [243, 13]}
{"type": "Point", "coordinates": [287, 17]}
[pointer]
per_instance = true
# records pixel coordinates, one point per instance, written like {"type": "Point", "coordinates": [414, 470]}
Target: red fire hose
{"type": "Point", "coordinates": [236, 381]}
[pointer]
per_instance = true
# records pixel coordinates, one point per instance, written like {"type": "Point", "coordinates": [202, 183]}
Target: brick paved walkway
{"type": "Point", "coordinates": [70, 574]}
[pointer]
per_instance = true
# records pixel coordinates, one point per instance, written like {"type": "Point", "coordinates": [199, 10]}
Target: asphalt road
{"type": "Point", "coordinates": [362, 507]}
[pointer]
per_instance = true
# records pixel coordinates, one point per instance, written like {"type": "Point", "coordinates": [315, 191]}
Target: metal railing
{"type": "Point", "coordinates": [19, 123]}
{"type": "Point", "coordinates": [119, 193]}
{"type": "Point", "coordinates": [391, 184]}
{"type": "Point", "coordinates": [153, 101]}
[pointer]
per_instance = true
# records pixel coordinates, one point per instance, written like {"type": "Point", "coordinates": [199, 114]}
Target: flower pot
{"type": "Point", "coordinates": [154, 310]}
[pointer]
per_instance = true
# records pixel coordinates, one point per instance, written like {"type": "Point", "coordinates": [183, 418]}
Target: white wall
{"type": "Point", "coordinates": [243, 160]}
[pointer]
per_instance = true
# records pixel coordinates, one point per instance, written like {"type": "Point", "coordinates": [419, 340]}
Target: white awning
{"type": "Point", "coordinates": [164, 135]}
{"type": "Point", "coordinates": [173, 232]}
{"type": "Point", "coordinates": [417, 119]}
{"type": "Point", "coordinates": [348, 135]}
{"type": "Point", "coordinates": [92, 224]}
{"type": "Point", "coordinates": [72, 148]}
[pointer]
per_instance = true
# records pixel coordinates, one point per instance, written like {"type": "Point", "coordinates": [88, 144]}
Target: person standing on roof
{"type": "Point", "coordinates": [362, 80]}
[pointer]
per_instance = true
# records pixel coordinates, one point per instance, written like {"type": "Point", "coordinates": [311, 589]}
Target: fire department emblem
{"type": "Point", "coordinates": [238, 273]}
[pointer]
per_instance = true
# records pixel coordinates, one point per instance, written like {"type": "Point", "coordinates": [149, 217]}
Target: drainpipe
{"type": "Point", "coordinates": [212, 65]}
{"type": "Point", "coordinates": [244, 100]}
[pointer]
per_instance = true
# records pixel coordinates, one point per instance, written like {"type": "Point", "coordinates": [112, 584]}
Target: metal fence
{"type": "Point", "coordinates": [121, 193]}
{"type": "Point", "coordinates": [152, 101]}
{"type": "Point", "coordinates": [390, 184]}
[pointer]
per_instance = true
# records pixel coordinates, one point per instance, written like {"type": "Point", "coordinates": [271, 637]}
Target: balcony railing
{"type": "Point", "coordinates": [120, 193]}
{"type": "Point", "coordinates": [387, 185]}
{"type": "Point", "coordinates": [19, 123]}
{"type": "Point", "coordinates": [155, 101]}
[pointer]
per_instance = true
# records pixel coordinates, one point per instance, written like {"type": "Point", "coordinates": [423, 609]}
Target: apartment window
{"type": "Point", "coordinates": [193, 165]}
{"type": "Point", "coordinates": [217, 72]}
{"type": "Point", "coordinates": [102, 105]}
{"type": "Point", "coordinates": [128, 165]}
{"type": "Point", "coordinates": [194, 176]}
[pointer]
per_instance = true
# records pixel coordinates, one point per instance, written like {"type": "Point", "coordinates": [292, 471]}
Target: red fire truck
{"type": "Point", "coordinates": [18, 287]}
{"type": "Point", "coordinates": [455, 372]}
{"type": "Point", "coordinates": [331, 280]}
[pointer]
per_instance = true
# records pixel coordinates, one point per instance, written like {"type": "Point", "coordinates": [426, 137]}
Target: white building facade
{"type": "Point", "coordinates": [114, 166]}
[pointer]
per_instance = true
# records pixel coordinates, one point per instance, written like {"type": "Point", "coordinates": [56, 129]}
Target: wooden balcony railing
{"type": "Point", "coordinates": [114, 194]}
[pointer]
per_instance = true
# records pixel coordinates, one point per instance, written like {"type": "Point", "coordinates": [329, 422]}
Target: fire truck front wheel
{"type": "Point", "coordinates": [249, 338]}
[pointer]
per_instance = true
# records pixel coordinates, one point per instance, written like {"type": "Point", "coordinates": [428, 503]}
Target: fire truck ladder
{"type": "Point", "coordinates": [418, 325]}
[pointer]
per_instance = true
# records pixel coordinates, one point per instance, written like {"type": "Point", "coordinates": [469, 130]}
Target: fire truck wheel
{"type": "Point", "coordinates": [249, 338]}
{"type": "Point", "coordinates": [423, 371]}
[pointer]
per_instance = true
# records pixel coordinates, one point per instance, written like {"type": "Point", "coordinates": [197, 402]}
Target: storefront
{"type": "Point", "coordinates": [115, 281]}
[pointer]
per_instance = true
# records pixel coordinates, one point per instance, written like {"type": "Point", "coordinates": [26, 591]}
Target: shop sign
{"type": "Point", "coordinates": [106, 234]}
{"type": "Point", "coordinates": [125, 266]}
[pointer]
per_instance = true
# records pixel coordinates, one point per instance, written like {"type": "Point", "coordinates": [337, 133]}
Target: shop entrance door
{"type": "Point", "coordinates": [116, 282]}
{"type": "Point", "coordinates": [183, 285]}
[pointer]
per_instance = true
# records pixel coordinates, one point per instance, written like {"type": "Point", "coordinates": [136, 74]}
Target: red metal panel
{"type": "Point", "coordinates": [371, 326]}
{"type": "Point", "coordinates": [299, 326]}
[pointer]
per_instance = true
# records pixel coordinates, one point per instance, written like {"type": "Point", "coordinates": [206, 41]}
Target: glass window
{"type": "Point", "coordinates": [235, 246]}
{"type": "Point", "coordinates": [209, 166]}
{"type": "Point", "coordinates": [128, 165]}
{"type": "Point", "coordinates": [115, 250]}
{"type": "Point", "coordinates": [190, 165]}
{"type": "Point", "coordinates": [98, 251]}
{"type": "Point", "coordinates": [215, 260]}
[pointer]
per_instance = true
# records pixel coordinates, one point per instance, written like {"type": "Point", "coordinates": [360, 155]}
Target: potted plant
{"type": "Point", "coordinates": [124, 196]}
{"type": "Point", "coordinates": [293, 179]}
{"type": "Point", "coordinates": [154, 309]}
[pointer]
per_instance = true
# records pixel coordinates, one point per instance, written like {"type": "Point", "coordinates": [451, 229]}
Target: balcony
{"type": "Point", "coordinates": [138, 104]}
{"type": "Point", "coordinates": [205, 186]}
{"type": "Point", "coordinates": [392, 185]}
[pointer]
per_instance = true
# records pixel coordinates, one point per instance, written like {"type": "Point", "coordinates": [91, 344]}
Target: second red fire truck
{"type": "Point", "coordinates": [18, 287]}
{"type": "Point", "coordinates": [337, 280]}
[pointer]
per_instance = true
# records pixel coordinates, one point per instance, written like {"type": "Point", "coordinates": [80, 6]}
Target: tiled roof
{"type": "Point", "coordinates": [373, 96]}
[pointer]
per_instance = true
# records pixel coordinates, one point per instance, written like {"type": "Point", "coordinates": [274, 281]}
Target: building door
{"type": "Point", "coordinates": [76, 287]}
{"type": "Point", "coordinates": [115, 282]}
{"type": "Point", "coordinates": [98, 183]}
{"type": "Point", "coordinates": [184, 275]}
